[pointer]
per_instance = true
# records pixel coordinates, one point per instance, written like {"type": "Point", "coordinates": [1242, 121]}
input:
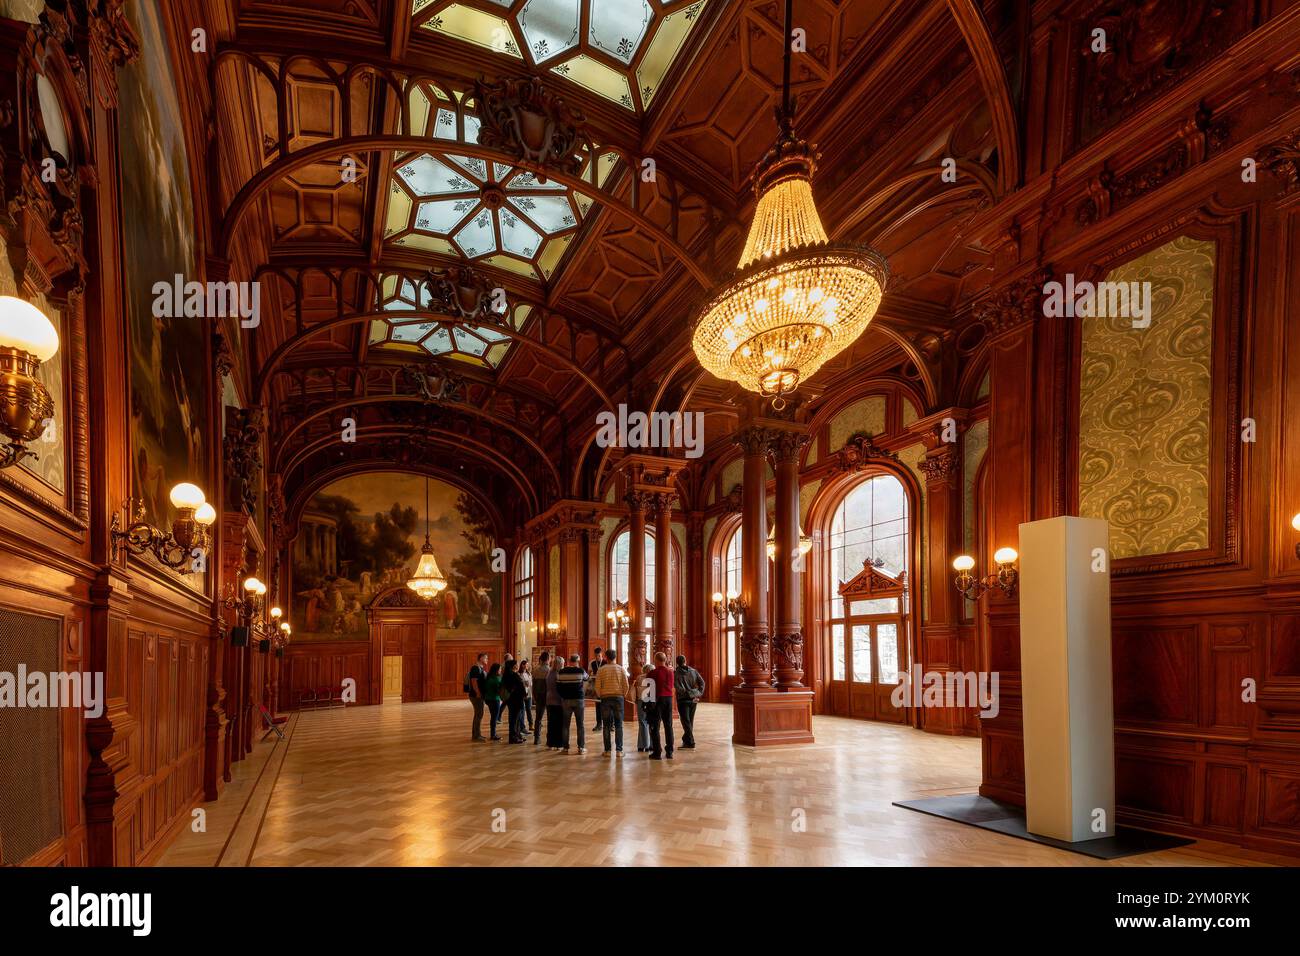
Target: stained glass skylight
{"type": "Point", "coordinates": [490, 212]}
{"type": "Point", "coordinates": [619, 49]}
{"type": "Point", "coordinates": [480, 345]}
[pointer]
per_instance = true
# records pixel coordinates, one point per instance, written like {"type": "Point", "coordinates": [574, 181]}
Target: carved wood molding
{"type": "Point", "coordinates": [860, 449]}
{"type": "Point", "coordinates": [1016, 304]}
{"type": "Point", "coordinates": [524, 119]}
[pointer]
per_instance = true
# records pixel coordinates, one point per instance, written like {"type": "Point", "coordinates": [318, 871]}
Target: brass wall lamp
{"type": "Point", "coordinates": [174, 549]}
{"type": "Point", "coordinates": [733, 604]}
{"type": "Point", "coordinates": [1006, 577]}
{"type": "Point", "coordinates": [27, 338]}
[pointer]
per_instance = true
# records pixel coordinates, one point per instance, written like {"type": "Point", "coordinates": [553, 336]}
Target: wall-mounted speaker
{"type": "Point", "coordinates": [264, 647]}
{"type": "Point", "coordinates": [239, 637]}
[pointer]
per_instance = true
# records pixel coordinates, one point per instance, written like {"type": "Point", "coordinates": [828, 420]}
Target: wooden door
{"type": "Point", "coordinates": [392, 677]}
{"type": "Point", "coordinates": [869, 648]}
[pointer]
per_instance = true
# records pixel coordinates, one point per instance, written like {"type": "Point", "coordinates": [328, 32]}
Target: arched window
{"type": "Point", "coordinates": [619, 568]}
{"type": "Point", "coordinates": [868, 538]}
{"type": "Point", "coordinates": [730, 584]}
{"type": "Point", "coordinates": [525, 591]}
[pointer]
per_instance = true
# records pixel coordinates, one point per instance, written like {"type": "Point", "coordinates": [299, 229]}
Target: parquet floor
{"type": "Point", "coordinates": [402, 785]}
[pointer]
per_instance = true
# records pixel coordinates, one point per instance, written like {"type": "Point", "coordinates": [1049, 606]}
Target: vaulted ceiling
{"type": "Point", "coordinates": [360, 144]}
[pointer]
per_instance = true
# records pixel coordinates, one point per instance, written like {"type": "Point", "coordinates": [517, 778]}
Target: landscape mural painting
{"type": "Point", "coordinates": [360, 536]}
{"type": "Point", "coordinates": [168, 355]}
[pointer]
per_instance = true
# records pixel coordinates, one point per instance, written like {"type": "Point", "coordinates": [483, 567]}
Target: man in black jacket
{"type": "Point", "coordinates": [688, 685]}
{"type": "Point", "coordinates": [571, 685]}
{"type": "Point", "coordinates": [476, 688]}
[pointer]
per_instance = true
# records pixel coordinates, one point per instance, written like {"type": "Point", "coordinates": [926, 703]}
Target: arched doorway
{"type": "Point", "coordinates": [868, 557]}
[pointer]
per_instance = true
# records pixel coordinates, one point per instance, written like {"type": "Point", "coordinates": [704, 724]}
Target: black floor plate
{"type": "Point", "coordinates": [1004, 818]}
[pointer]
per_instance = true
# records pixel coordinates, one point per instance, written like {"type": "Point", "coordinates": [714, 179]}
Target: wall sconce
{"type": "Point", "coordinates": [555, 632]}
{"type": "Point", "coordinates": [27, 338]}
{"type": "Point", "coordinates": [1005, 577]}
{"type": "Point", "coordinates": [805, 543]}
{"type": "Point", "coordinates": [175, 548]}
{"type": "Point", "coordinates": [733, 605]}
{"type": "Point", "coordinates": [248, 606]}
{"type": "Point", "coordinates": [1295, 523]}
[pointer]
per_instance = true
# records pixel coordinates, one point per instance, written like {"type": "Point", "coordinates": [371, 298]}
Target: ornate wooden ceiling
{"type": "Point", "coordinates": [426, 158]}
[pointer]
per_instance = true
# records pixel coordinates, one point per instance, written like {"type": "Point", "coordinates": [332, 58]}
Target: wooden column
{"type": "Point", "coordinates": [665, 607]}
{"type": "Point", "coordinates": [787, 719]}
{"type": "Point", "coordinates": [636, 508]}
{"type": "Point", "coordinates": [940, 646]}
{"type": "Point", "coordinates": [787, 641]}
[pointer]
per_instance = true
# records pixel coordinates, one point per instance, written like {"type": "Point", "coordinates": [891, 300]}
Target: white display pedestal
{"type": "Point", "coordinates": [1069, 724]}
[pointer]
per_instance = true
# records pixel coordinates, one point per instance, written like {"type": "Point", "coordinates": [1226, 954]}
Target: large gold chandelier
{"type": "Point", "coordinates": [427, 581]}
{"type": "Point", "coordinates": [796, 299]}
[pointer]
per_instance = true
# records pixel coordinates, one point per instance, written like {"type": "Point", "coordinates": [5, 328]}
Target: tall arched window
{"type": "Point", "coordinates": [730, 584]}
{"type": "Point", "coordinates": [525, 591]}
{"type": "Point", "coordinates": [619, 566]}
{"type": "Point", "coordinates": [869, 534]}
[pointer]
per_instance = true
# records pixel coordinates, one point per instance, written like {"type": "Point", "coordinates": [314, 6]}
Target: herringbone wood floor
{"type": "Point", "coordinates": [403, 785]}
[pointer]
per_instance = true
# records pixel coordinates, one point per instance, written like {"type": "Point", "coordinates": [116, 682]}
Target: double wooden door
{"type": "Point", "coordinates": [867, 655]}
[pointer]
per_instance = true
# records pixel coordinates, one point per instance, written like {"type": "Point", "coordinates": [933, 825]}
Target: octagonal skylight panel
{"type": "Point", "coordinates": [525, 179]}
{"type": "Point", "coordinates": [517, 237]}
{"type": "Point", "coordinates": [477, 237]}
{"type": "Point", "coordinates": [619, 26]}
{"type": "Point", "coordinates": [411, 332]}
{"type": "Point", "coordinates": [473, 165]}
{"type": "Point", "coordinates": [597, 77]}
{"type": "Point", "coordinates": [440, 341]}
{"type": "Point", "coordinates": [550, 27]}
{"type": "Point", "coordinates": [487, 333]}
{"type": "Point", "coordinates": [443, 215]}
{"type": "Point", "coordinates": [551, 213]}
{"type": "Point", "coordinates": [428, 177]}
{"type": "Point", "coordinates": [470, 344]}
{"type": "Point", "coordinates": [477, 26]}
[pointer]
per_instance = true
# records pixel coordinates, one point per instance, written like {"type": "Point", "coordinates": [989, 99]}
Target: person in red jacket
{"type": "Point", "coordinates": [662, 711]}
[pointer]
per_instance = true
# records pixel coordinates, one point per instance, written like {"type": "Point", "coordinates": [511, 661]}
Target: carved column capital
{"type": "Point", "coordinates": [1014, 305]}
{"type": "Point", "coordinates": [940, 466]}
{"type": "Point", "coordinates": [754, 439]}
{"type": "Point", "coordinates": [639, 501]}
{"type": "Point", "coordinates": [786, 445]}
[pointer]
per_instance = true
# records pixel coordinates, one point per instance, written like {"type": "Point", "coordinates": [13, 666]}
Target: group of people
{"type": "Point", "coordinates": [555, 693]}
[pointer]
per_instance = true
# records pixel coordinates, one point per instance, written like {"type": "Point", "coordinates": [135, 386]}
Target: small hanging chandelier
{"type": "Point", "coordinates": [796, 299]}
{"type": "Point", "coordinates": [805, 542]}
{"type": "Point", "coordinates": [427, 581]}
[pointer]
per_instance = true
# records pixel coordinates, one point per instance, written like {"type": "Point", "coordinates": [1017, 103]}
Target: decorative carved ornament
{"type": "Point", "coordinates": [400, 597]}
{"type": "Point", "coordinates": [639, 500]}
{"type": "Point", "coordinates": [524, 119]}
{"type": "Point", "coordinates": [786, 445]}
{"type": "Point", "coordinates": [243, 454]}
{"type": "Point", "coordinates": [859, 450]}
{"type": "Point", "coordinates": [941, 467]}
{"type": "Point", "coordinates": [871, 582]}
{"type": "Point", "coordinates": [433, 384]}
{"type": "Point", "coordinates": [788, 651]}
{"type": "Point", "coordinates": [733, 500]}
{"type": "Point", "coordinates": [1150, 46]}
{"type": "Point", "coordinates": [222, 357]}
{"type": "Point", "coordinates": [754, 439]}
{"type": "Point", "coordinates": [754, 653]}
{"type": "Point", "coordinates": [1014, 305]}
{"type": "Point", "coordinates": [1201, 137]}
{"type": "Point", "coordinates": [1282, 159]}
{"type": "Point", "coordinates": [463, 293]}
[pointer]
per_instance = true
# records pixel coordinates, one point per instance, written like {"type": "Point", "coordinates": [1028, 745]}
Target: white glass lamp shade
{"type": "Point", "coordinates": [205, 515]}
{"type": "Point", "coordinates": [963, 562]}
{"type": "Point", "coordinates": [1295, 522]}
{"type": "Point", "coordinates": [1005, 555]}
{"type": "Point", "coordinates": [186, 495]}
{"type": "Point", "coordinates": [26, 328]}
{"type": "Point", "coordinates": [253, 586]}
{"type": "Point", "coordinates": [276, 613]}
{"type": "Point", "coordinates": [717, 597]}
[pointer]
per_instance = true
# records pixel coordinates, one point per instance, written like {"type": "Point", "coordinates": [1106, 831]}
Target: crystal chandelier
{"type": "Point", "coordinates": [427, 581]}
{"type": "Point", "coordinates": [796, 299]}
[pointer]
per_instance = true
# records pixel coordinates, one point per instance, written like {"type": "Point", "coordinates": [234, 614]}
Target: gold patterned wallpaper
{"type": "Point", "coordinates": [1145, 405]}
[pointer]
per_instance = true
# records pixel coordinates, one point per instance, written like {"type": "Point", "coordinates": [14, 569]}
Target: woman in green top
{"type": "Point", "coordinates": [492, 694]}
